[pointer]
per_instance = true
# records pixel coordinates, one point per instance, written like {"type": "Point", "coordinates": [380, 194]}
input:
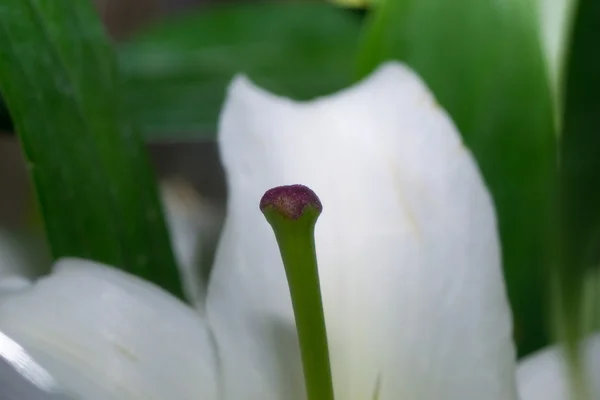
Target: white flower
{"type": "Point", "coordinates": [408, 253]}
{"type": "Point", "coordinates": [407, 245]}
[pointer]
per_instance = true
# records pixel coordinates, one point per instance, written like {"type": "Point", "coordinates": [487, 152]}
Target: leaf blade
{"type": "Point", "coordinates": [580, 175]}
{"type": "Point", "coordinates": [92, 177]}
{"type": "Point", "coordinates": [178, 71]}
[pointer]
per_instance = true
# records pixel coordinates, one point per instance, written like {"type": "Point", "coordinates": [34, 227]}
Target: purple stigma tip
{"type": "Point", "coordinates": [291, 201]}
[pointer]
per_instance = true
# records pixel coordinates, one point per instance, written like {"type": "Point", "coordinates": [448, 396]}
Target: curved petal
{"type": "Point", "coordinates": [13, 284]}
{"type": "Point", "coordinates": [543, 375]}
{"type": "Point", "coordinates": [193, 225]}
{"type": "Point", "coordinates": [21, 377]}
{"type": "Point", "coordinates": [407, 243]}
{"type": "Point", "coordinates": [104, 334]}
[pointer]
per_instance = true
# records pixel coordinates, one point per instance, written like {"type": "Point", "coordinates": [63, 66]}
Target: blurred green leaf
{"type": "Point", "coordinates": [580, 170]}
{"type": "Point", "coordinates": [178, 72]}
{"type": "Point", "coordinates": [94, 184]}
{"type": "Point", "coordinates": [483, 60]}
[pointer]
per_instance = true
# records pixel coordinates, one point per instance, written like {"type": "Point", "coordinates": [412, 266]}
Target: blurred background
{"type": "Point", "coordinates": [196, 162]}
{"type": "Point", "coordinates": [483, 62]}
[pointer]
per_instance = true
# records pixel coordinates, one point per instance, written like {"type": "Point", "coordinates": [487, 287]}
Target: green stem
{"type": "Point", "coordinates": [295, 237]}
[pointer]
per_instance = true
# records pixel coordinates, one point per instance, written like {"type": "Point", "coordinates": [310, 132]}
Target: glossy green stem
{"type": "Point", "coordinates": [297, 246]}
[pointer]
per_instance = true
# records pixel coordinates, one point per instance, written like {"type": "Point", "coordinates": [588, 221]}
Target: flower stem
{"type": "Point", "coordinates": [292, 212]}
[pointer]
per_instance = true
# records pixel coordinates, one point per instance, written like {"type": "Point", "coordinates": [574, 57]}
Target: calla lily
{"type": "Point", "coordinates": [409, 265]}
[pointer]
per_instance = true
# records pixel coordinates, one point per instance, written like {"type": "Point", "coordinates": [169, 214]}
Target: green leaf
{"type": "Point", "coordinates": [483, 60]}
{"type": "Point", "coordinates": [580, 170]}
{"type": "Point", "coordinates": [178, 72]}
{"type": "Point", "coordinates": [94, 184]}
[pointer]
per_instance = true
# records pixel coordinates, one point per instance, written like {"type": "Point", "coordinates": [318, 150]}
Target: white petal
{"type": "Point", "coordinates": [407, 242]}
{"type": "Point", "coordinates": [194, 225]}
{"type": "Point", "coordinates": [21, 377]}
{"type": "Point", "coordinates": [543, 375]}
{"type": "Point", "coordinates": [14, 260]}
{"type": "Point", "coordinates": [105, 334]}
{"type": "Point", "coordinates": [13, 284]}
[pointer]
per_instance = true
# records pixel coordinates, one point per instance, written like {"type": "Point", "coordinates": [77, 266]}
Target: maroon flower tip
{"type": "Point", "coordinates": [291, 201]}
